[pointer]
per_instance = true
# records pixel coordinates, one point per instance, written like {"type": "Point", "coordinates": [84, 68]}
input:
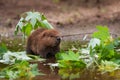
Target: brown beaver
{"type": "Point", "coordinates": [44, 42]}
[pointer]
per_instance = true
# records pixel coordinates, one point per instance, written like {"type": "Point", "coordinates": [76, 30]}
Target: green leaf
{"type": "Point", "coordinates": [70, 60]}
{"type": "Point", "coordinates": [116, 60]}
{"type": "Point", "coordinates": [70, 56]}
{"type": "Point", "coordinates": [109, 46]}
{"type": "Point", "coordinates": [19, 25]}
{"type": "Point", "coordinates": [93, 43]}
{"type": "Point", "coordinates": [108, 66]}
{"type": "Point", "coordinates": [43, 17]}
{"type": "Point", "coordinates": [3, 48]}
{"type": "Point", "coordinates": [45, 23]}
{"type": "Point", "coordinates": [11, 57]}
{"type": "Point", "coordinates": [71, 64]}
{"type": "Point", "coordinates": [102, 33]}
{"type": "Point", "coordinates": [28, 29]}
{"type": "Point", "coordinates": [21, 69]}
{"type": "Point", "coordinates": [33, 17]}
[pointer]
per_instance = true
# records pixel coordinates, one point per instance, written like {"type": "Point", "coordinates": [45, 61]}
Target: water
{"type": "Point", "coordinates": [17, 44]}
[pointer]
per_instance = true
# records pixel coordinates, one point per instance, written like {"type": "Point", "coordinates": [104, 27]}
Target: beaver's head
{"type": "Point", "coordinates": [51, 37]}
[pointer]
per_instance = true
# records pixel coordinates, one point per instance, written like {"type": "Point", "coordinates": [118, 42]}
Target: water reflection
{"type": "Point", "coordinates": [70, 74]}
{"type": "Point", "coordinates": [74, 74]}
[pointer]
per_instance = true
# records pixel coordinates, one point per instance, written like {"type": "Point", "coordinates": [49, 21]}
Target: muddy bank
{"type": "Point", "coordinates": [85, 27]}
{"type": "Point", "coordinates": [69, 17]}
{"type": "Point", "coordinates": [79, 29]}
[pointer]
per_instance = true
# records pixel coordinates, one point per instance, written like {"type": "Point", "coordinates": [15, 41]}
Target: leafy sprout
{"type": "Point", "coordinates": [31, 21]}
{"type": "Point", "coordinates": [18, 65]}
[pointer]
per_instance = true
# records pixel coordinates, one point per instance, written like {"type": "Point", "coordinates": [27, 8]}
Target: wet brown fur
{"type": "Point", "coordinates": [43, 42]}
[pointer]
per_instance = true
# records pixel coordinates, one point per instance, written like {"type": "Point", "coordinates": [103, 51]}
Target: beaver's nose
{"type": "Point", "coordinates": [58, 38]}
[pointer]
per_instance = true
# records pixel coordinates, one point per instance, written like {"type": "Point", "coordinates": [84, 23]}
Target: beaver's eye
{"type": "Point", "coordinates": [51, 36]}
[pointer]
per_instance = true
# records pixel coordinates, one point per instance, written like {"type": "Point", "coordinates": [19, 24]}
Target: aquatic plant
{"type": "Point", "coordinates": [19, 70]}
{"type": "Point", "coordinates": [102, 53]}
{"type": "Point", "coordinates": [17, 64]}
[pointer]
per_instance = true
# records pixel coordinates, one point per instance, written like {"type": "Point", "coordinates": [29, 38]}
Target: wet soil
{"type": "Point", "coordinates": [68, 16]}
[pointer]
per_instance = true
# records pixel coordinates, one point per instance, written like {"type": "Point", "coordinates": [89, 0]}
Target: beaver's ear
{"type": "Point", "coordinates": [44, 33]}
